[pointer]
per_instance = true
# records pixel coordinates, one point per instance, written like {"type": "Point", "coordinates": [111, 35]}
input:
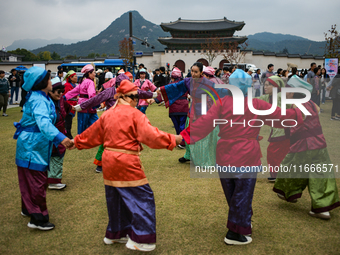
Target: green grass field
{"type": "Point", "coordinates": [191, 213]}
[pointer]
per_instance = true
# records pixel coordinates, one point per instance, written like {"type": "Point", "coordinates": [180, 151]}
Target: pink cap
{"type": "Point", "coordinates": [87, 68]}
{"type": "Point", "coordinates": [209, 71]}
{"type": "Point", "coordinates": [176, 73]}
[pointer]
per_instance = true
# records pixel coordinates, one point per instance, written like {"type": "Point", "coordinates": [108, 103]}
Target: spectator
{"type": "Point", "coordinates": [267, 74]}
{"type": "Point", "coordinates": [226, 74]}
{"type": "Point", "coordinates": [279, 72]}
{"type": "Point", "coordinates": [101, 78]}
{"type": "Point", "coordinates": [156, 78]}
{"type": "Point", "coordinates": [150, 74]}
{"type": "Point", "coordinates": [257, 82]}
{"type": "Point", "coordinates": [141, 65]}
{"type": "Point", "coordinates": [4, 93]}
{"type": "Point", "coordinates": [164, 79]}
{"type": "Point", "coordinates": [324, 79]}
{"type": "Point", "coordinates": [284, 76]}
{"type": "Point", "coordinates": [334, 87]}
{"type": "Point", "coordinates": [315, 82]}
{"type": "Point", "coordinates": [218, 73]}
{"type": "Point", "coordinates": [108, 74]}
{"type": "Point", "coordinates": [294, 72]}
{"type": "Point", "coordinates": [311, 73]}
{"type": "Point", "coordinates": [60, 75]}
{"type": "Point", "coordinates": [14, 83]}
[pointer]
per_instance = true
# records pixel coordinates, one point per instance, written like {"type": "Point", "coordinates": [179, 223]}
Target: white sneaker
{"type": "Point", "coordinates": [112, 241]}
{"type": "Point", "coordinates": [57, 186]}
{"type": "Point", "coordinates": [140, 246]}
{"type": "Point", "coordinates": [323, 215]}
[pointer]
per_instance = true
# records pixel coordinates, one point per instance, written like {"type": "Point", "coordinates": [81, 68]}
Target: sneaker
{"type": "Point", "coordinates": [45, 226]}
{"type": "Point", "coordinates": [283, 198]}
{"type": "Point", "coordinates": [323, 102]}
{"type": "Point", "coordinates": [112, 241]}
{"type": "Point", "coordinates": [5, 115]}
{"type": "Point", "coordinates": [57, 186]}
{"type": "Point", "coordinates": [140, 246]}
{"type": "Point", "coordinates": [99, 169]}
{"type": "Point", "coordinates": [181, 146]}
{"type": "Point", "coordinates": [335, 118]}
{"type": "Point", "coordinates": [237, 239]}
{"type": "Point", "coordinates": [323, 215]}
{"type": "Point", "coordinates": [183, 160]}
{"type": "Point", "coordinates": [271, 179]}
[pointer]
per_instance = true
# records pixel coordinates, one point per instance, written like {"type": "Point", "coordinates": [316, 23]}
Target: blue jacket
{"type": "Point", "coordinates": [36, 133]}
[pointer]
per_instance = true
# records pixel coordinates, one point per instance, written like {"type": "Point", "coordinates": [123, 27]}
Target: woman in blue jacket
{"type": "Point", "coordinates": [35, 136]}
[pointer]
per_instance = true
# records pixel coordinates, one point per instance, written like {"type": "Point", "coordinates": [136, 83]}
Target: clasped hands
{"type": "Point", "coordinates": [68, 143]}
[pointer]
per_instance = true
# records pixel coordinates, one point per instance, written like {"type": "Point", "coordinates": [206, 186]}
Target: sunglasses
{"type": "Point", "coordinates": [61, 91]}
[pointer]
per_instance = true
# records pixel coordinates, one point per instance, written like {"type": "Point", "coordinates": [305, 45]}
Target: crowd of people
{"type": "Point", "coordinates": [44, 133]}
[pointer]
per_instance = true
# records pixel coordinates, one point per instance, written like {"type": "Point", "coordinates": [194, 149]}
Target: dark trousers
{"type": "Point", "coordinates": [23, 97]}
{"type": "Point", "coordinates": [336, 107]}
{"type": "Point", "coordinates": [14, 90]}
{"type": "Point", "coordinates": [68, 125]}
{"type": "Point", "coordinates": [3, 102]}
{"type": "Point", "coordinates": [239, 194]}
{"type": "Point", "coordinates": [33, 185]}
{"type": "Point", "coordinates": [131, 212]}
{"type": "Point", "coordinates": [316, 98]}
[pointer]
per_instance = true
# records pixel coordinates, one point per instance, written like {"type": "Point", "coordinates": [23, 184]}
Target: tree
{"type": "Point", "coordinates": [126, 51]}
{"type": "Point", "coordinates": [71, 57]}
{"type": "Point", "coordinates": [212, 48]}
{"type": "Point", "coordinates": [332, 48]}
{"type": "Point", "coordinates": [55, 56]}
{"type": "Point", "coordinates": [285, 50]}
{"type": "Point", "coordinates": [235, 53]}
{"type": "Point", "coordinates": [44, 55]}
{"type": "Point", "coordinates": [29, 56]}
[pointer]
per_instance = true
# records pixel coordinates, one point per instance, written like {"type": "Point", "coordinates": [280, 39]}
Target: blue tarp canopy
{"type": "Point", "coordinates": [21, 68]}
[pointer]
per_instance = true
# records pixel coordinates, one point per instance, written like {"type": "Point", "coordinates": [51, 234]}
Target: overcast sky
{"type": "Point", "coordinates": [83, 19]}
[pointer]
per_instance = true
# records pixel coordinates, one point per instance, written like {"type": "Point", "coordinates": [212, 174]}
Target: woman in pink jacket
{"type": "Point", "coordinates": [86, 90]}
{"type": "Point", "coordinates": [144, 84]}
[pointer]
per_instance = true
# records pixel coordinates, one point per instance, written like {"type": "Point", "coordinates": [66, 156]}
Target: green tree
{"type": "Point", "coordinates": [55, 56]}
{"type": "Point", "coordinates": [71, 57]}
{"type": "Point", "coordinates": [44, 55]}
{"type": "Point", "coordinates": [29, 56]}
{"type": "Point", "coordinates": [91, 55]}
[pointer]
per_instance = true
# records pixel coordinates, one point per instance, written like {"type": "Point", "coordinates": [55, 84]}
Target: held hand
{"type": "Point", "coordinates": [179, 139]}
{"type": "Point", "coordinates": [73, 108]}
{"type": "Point", "coordinates": [73, 146]}
{"type": "Point", "coordinates": [150, 101]}
{"type": "Point", "coordinates": [158, 91]}
{"type": "Point", "coordinates": [67, 143]}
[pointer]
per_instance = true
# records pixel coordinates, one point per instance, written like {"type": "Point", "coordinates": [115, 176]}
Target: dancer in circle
{"type": "Point", "coordinates": [35, 135]}
{"type": "Point", "coordinates": [309, 159]}
{"type": "Point", "coordinates": [86, 90]}
{"type": "Point", "coordinates": [238, 152]}
{"type": "Point", "coordinates": [130, 200]}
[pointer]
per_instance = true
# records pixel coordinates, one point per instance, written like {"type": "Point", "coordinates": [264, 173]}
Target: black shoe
{"type": "Point", "coordinates": [45, 226]}
{"type": "Point", "coordinates": [99, 169]}
{"type": "Point", "coordinates": [183, 160]}
{"type": "Point", "coordinates": [237, 239]}
{"type": "Point", "coordinates": [271, 179]}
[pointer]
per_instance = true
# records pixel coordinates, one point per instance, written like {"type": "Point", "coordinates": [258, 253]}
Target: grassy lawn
{"type": "Point", "coordinates": [191, 213]}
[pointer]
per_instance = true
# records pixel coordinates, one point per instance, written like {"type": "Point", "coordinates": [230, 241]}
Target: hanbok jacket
{"type": "Point", "coordinates": [36, 133]}
{"type": "Point", "coordinates": [147, 86]}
